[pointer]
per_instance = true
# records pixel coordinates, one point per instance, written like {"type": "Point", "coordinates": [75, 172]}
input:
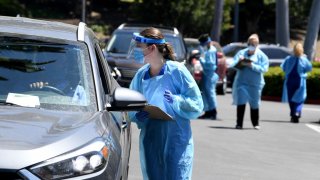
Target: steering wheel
{"type": "Point", "coordinates": [53, 89]}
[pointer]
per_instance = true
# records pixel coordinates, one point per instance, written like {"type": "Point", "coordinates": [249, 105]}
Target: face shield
{"type": "Point", "coordinates": [135, 49]}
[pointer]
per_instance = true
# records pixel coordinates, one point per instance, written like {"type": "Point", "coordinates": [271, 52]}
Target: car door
{"type": "Point", "coordinates": [122, 125]}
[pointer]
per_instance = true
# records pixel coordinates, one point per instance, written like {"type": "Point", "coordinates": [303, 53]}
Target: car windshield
{"type": "Point", "coordinates": [120, 42]}
{"type": "Point", "coordinates": [55, 72]}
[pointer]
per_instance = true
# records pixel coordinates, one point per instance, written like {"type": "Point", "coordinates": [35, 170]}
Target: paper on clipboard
{"type": "Point", "coordinates": [157, 113]}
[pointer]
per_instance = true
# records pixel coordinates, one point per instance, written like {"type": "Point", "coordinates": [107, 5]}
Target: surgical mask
{"type": "Point", "coordinates": [138, 55]}
{"type": "Point", "coordinates": [251, 48]}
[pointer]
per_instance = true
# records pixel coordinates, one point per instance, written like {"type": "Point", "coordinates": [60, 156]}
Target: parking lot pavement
{"type": "Point", "coordinates": [280, 150]}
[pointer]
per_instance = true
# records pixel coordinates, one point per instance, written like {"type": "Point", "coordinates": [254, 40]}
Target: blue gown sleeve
{"type": "Point", "coordinates": [307, 65]}
{"type": "Point", "coordinates": [284, 63]}
{"type": "Point", "coordinates": [262, 65]}
{"type": "Point", "coordinates": [236, 59]}
{"type": "Point", "coordinates": [188, 103]}
{"type": "Point", "coordinates": [135, 85]}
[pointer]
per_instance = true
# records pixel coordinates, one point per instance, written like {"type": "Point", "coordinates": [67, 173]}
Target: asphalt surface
{"type": "Point", "coordinates": [280, 150]}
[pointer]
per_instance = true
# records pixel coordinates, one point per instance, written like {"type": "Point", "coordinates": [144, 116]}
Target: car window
{"type": "Point", "coordinates": [57, 72]}
{"type": "Point", "coordinates": [177, 46]}
{"type": "Point", "coordinates": [120, 42]}
{"type": "Point", "coordinates": [274, 53]}
{"type": "Point", "coordinates": [192, 46]}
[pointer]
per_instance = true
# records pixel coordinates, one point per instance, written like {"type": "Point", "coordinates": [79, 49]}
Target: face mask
{"type": "Point", "coordinates": [138, 55]}
{"type": "Point", "coordinates": [251, 48]}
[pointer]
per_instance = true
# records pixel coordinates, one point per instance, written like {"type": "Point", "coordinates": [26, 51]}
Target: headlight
{"type": "Point", "coordinates": [86, 160]}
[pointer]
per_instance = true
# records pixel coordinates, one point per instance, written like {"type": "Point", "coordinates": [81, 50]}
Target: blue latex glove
{"type": "Point", "coordinates": [142, 116]}
{"type": "Point", "coordinates": [168, 96]}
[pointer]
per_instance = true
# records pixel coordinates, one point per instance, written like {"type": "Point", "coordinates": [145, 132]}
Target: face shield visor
{"type": "Point", "coordinates": [135, 48]}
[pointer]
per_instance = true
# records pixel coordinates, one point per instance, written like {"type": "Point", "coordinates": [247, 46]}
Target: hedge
{"type": "Point", "coordinates": [274, 79]}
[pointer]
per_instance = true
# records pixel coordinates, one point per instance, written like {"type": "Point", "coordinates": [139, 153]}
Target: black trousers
{"type": "Point", "coordinates": [254, 114]}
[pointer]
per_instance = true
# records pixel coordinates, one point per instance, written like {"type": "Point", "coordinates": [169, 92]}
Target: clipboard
{"type": "Point", "coordinates": [157, 113]}
{"type": "Point", "coordinates": [240, 65]}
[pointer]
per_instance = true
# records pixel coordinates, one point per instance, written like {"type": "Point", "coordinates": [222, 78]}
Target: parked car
{"type": "Point", "coordinates": [275, 53]}
{"type": "Point", "coordinates": [195, 67]}
{"type": "Point", "coordinates": [62, 114]}
{"type": "Point", "coordinates": [117, 49]}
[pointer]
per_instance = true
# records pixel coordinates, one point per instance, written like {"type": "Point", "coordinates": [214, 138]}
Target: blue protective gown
{"type": "Point", "coordinates": [249, 82]}
{"type": "Point", "coordinates": [209, 78]}
{"type": "Point", "coordinates": [166, 147]}
{"type": "Point", "coordinates": [302, 66]}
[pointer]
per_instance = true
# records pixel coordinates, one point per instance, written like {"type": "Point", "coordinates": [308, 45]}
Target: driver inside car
{"type": "Point", "coordinates": [61, 76]}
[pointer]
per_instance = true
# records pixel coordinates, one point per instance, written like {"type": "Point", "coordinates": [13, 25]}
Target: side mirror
{"type": "Point", "coordinates": [124, 99]}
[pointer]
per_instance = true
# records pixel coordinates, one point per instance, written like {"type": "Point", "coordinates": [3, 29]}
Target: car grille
{"type": "Point", "coordinates": [9, 175]}
{"type": "Point", "coordinates": [127, 73]}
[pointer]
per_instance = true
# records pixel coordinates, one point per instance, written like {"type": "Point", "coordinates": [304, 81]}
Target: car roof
{"type": "Point", "coordinates": [261, 45]}
{"type": "Point", "coordinates": [140, 27]}
{"type": "Point", "coordinates": [192, 40]}
{"type": "Point", "coordinates": [42, 28]}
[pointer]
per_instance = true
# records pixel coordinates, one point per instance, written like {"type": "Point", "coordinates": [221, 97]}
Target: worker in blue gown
{"type": "Point", "coordinates": [209, 80]}
{"type": "Point", "coordinates": [250, 64]}
{"type": "Point", "coordinates": [295, 85]}
{"type": "Point", "coordinates": [166, 146]}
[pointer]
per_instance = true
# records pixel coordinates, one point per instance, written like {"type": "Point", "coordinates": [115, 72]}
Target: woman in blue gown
{"type": "Point", "coordinates": [250, 64]}
{"type": "Point", "coordinates": [166, 147]}
{"type": "Point", "coordinates": [294, 87]}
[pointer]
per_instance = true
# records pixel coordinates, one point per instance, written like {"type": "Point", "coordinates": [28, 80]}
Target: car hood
{"type": "Point", "coordinates": [29, 135]}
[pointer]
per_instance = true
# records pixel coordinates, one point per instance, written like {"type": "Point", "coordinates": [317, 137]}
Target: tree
{"type": "Point", "coordinates": [312, 30]}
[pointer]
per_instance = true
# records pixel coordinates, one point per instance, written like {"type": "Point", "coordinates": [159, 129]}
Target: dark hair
{"type": "Point", "coordinates": [203, 38]}
{"type": "Point", "coordinates": [165, 49]}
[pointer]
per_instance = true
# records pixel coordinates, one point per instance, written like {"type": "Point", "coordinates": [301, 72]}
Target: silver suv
{"type": "Point", "coordinates": [62, 114]}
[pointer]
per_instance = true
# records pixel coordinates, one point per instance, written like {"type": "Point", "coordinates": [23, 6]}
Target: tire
{"type": "Point", "coordinates": [222, 88]}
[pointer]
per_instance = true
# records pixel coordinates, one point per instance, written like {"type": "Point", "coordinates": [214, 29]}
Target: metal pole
{"type": "Point", "coordinates": [217, 20]}
{"type": "Point", "coordinates": [282, 23]}
{"type": "Point", "coordinates": [83, 11]}
{"type": "Point", "coordinates": [312, 30]}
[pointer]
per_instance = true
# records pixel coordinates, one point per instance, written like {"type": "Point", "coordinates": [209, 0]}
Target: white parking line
{"type": "Point", "coordinates": [314, 127]}
{"type": "Point", "coordinates": [312, 109]}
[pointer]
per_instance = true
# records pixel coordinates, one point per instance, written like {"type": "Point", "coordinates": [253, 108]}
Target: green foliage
{"type": "Point", "coordinates": [315, 64]}
{"type": "Point", "coordinates": [313, 84]}
{"type": "Point", "coordinates": [97, 28]}
{"type": "Point", "coordinates": [10, 8]}
{"type": "Point", "coordinates": [191, 17]}
{"type": "Point", "coordinates": [274, 79]}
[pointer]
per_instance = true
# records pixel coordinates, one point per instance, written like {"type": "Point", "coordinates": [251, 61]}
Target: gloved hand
{"type": "Point", "coordinates": [168, 96]}
{"type": "Point", "coordinates": [142, 116]}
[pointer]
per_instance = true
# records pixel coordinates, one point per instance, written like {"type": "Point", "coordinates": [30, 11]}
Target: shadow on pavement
{"type": "Point", "coordinates": [276, 121]}
{"type": "Point", "coordinates": [232, 128]}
